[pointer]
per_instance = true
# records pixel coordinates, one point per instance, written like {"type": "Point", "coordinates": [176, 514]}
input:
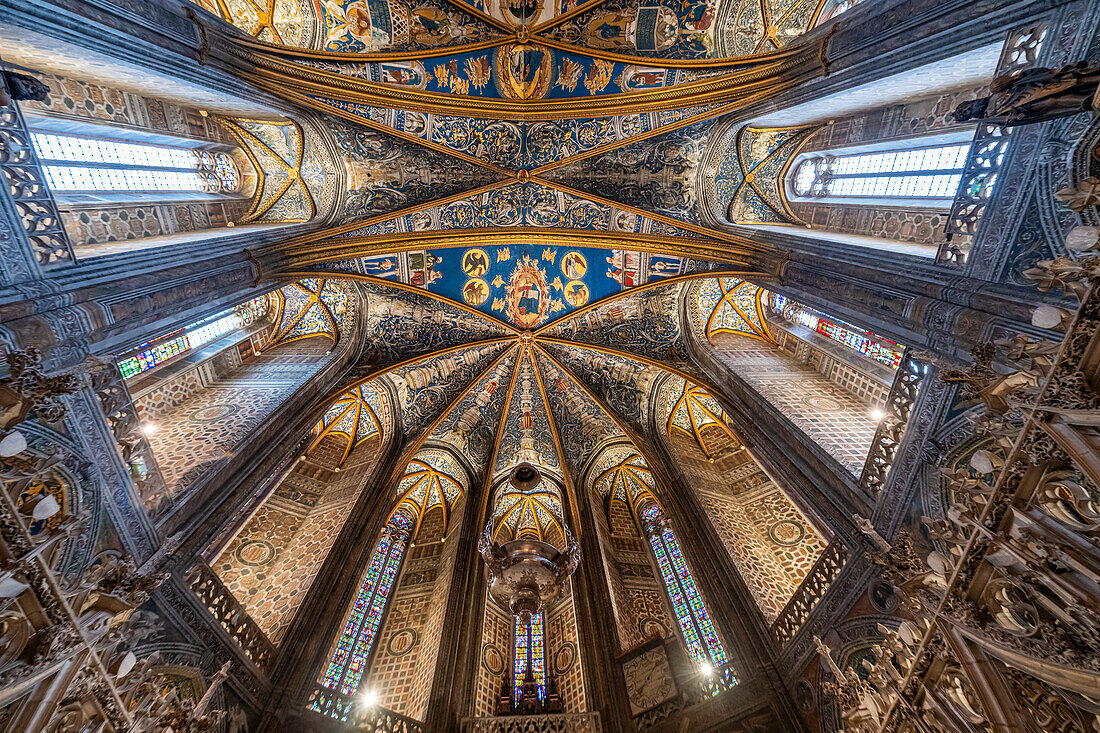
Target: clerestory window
{"type": "Point", "coordinates": [917, 172]}
{"type": "Point", "coordinates": [88, 164]}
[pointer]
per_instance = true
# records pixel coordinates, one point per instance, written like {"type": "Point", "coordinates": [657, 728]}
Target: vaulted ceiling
{"type": "Point", "coordinates": [513, 187]}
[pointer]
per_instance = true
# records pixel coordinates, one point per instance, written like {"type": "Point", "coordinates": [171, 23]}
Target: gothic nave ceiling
{"type": "Point", "coordinates": [677, 29]}
{"type": "Point", "coordinates": [499, 394]}
{"type": "Point", "coordinates": [520, 212]}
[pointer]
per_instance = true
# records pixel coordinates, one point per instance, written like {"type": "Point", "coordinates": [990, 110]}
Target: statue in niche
{"type": "Point", "coordinates": [1034, 95]}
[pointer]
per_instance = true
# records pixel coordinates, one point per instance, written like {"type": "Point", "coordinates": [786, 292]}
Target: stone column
{"type": "Point", "coordinates": [902, 297]}
{"type": "Point", "coordinates": [597, 631]}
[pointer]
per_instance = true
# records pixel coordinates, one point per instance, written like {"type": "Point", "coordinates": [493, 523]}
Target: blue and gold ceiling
{"type": "Point", "coordinates": [518, 193]}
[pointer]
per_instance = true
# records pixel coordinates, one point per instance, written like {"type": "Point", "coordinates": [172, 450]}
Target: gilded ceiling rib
{"type": "Point", "coordinates": [655, 132]}
{"type": "Point", "coordinates": [748, 176]}
{"type": "Point", "coordinates": [763, 79]}
{"type": "Point", "coordinates": [335, 394]}
{"type": "Point", "coordinates": [482, 16]}
{"type": "Point", "coordinates": [398, 285]}
{"type": "Point", "coordinates": [320, 235]}
{"type": "Point", "coordinates": [652, 284]}
{"type": "Point", "coordinates": [688, 398]}
{"type": "Point", "coordinates": [409, 451]}
{"type": "Point", "coordinates": [627, 432]}
{"type": "Point", "coordinates": [498, 435]}
{"type": "Point", "coordinates": [772, 28]}
{"type": "Point", "coordinates": [735, 250]}
{"type": "Point", "coordinates": [320, 106]}
{"type": "Point", "coordinates": [293, 172]}
{"type": "Point", "coordinates": [790, 51]}
{"type": "Point", "coordinates": [570, 488]}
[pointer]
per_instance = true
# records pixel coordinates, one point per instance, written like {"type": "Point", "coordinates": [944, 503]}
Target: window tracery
{"type": "Point", "coordinates": [164, 348]}
{"type": "Point", "coordinates": [911, 172]}
{"type": "Point", "coordinates": [530, 652]}
{"type": "Point", "coordinates": [624, 476]}
{"type": "Point", "coordinates": [691, 612]}
{"type": "Point", "coordinates": [865, 343]}
{"type": "Point", "coordinates": [73, 163]}
{"type": "Point", "coordinates": [348, 661]}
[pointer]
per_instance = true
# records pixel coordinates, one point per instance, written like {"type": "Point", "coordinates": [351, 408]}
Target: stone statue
{"type": "Point", "coordinates": [15, 87]}
{"type": "Point", "coordinates": [1034, 95]}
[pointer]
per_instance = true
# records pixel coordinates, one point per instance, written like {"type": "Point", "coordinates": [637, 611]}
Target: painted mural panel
{"type": "Point", "coordinates": [518, 144]}
{"type": "Point", "coordinates": [517, 71]}
{"type": "Point", "coordinates": [364, 26]}
{"type": "Point", "coordinates": [527, 287]}
{"type": "Point", "coordinates": [668, 29]}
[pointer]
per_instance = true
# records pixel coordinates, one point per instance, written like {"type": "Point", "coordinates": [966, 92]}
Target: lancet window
{"type": "Point", "coordinates": [73, 163]}
{"type": "Point", "coordinates": [913, 172]}
{"type": "Point", "coordinates": [691, 612]}
{"type": "Point", "coordinates": [164, 348]}
{"type": "Point", "coordinates": [530, 654]}
{"type": "Point", "coordinates": [348, 662]}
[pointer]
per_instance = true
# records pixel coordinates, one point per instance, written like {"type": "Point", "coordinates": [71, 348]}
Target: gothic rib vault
{"type": "Point", "coordinates": [525, 365]}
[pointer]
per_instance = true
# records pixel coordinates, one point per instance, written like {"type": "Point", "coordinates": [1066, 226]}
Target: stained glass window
{"type": "Point", "coordinates": [915, 172]}
{"type": "Point", "coordinates": [160, 350]}
{"type": "Point", "coordinates": [866, 343]}
{"type": "Point", "coordinates": [348, 661]}
{"type": "Point", "coordinates": [530, 648]}
{"type": "Point", "coordinates": [73, 163]}
{"type": "Point", "coordinates": [691, 612]}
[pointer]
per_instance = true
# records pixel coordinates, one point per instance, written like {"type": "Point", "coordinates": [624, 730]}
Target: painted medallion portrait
{"type": "Point", "coordinates": [528, 298]}
{"type": "Point", "coordinates": [574, 265]}
{"type": "Point", "coordinates": [475, 262]}
{"type": "Point", "coordinates": [475, 292]}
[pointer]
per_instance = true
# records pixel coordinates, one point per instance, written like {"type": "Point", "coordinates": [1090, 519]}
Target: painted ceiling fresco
{"type": "Point", "coordinates": [656, 175]}
{"type": "Point", "coordinates": [384, 173]}
{"type": "Point", "coordinates": [358, 414]}
{"type": "Point", "coordinates": [471, 386]}
{"type": "Point", "coordinates": [523, 204]}
{"type": "Point", "coordinates": [748, 166]}
{"type": "Point", "coordinates": [526, 287]}
{"type": "Point", "coordinates": [519, 144]}
{"type": "Point", "coordinates": [728, 305]}
{"type": "Point", "coordinates": [311, 307]}
{"type": "Point", "coordinates": [681, 29]}
{"type": "Point", "coordinates": [621, 474]}
{"type": "Point", "coordinates": [519, 279]}
{"type": "Point", "coordinates": [516, 71]}
{"type": "Point", "coordinates": [526, 434]}
{"type": "Point", "coordinates": [293, 170]}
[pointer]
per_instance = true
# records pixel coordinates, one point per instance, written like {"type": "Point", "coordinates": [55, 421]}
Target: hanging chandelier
{"type": "Point", "coordinates": [526, 573]}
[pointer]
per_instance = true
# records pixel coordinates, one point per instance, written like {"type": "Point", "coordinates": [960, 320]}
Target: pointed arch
{"type": "Point", "coordinates": [357, 415]}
